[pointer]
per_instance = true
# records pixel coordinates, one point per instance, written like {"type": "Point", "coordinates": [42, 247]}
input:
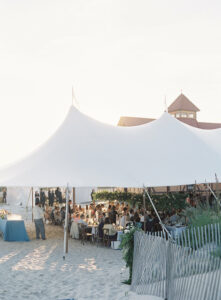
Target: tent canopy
{"type": "Point", "coordinates": [84, 152]}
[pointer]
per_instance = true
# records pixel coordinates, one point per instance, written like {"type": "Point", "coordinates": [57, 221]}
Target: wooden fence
{"type": "Point", "coordinates": [187, 268]}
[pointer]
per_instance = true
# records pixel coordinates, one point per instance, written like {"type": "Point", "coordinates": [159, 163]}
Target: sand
{"type": "Point", "coordinates": [36, 270]}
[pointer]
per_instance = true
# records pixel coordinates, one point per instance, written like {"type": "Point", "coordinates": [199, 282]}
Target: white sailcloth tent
{"type": "Point", "coordinates": [84, 152]}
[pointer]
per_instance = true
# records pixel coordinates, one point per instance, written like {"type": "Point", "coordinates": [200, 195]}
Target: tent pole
{"type": "Point", "coordinates": [32, 203]}
{"type": "Point", "coordinates": [212, 192]}
{"type": "Point", "coordinates": [144, 206]}
{"type": "Point", "coordinates": [217, 185]}
{"type": "Point", "coordinates": [66, 224]}
{"type": "Point", "coordinates": [74, 199]}
{"type": "Point", "coordinates": [161, 223]}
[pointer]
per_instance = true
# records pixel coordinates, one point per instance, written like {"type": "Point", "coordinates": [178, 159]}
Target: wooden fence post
{"type": "Point", "coordinates": [32, 203]}
{"type": "Point", "coordinates": [168, 270]}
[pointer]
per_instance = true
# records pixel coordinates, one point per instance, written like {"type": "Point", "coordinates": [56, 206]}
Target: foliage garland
{"type": "Point", "coordinates": [163, 202]}
{"type": "Point", "coordinates": [127, 245]}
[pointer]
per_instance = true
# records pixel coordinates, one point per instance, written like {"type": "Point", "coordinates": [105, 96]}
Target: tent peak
{"type": "Point", "coordinates": [75, 102]}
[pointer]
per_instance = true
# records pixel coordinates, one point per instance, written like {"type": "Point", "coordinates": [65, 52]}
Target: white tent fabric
{"type": "Point", "coordinates": [19, 196]}
{"type": "Point", "coordinates": [84, 152]}
{"type": "Point", "coordinates": [83, 195]}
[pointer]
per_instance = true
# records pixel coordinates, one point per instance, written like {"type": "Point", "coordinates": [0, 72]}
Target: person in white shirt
{"type": "Point", "coordinates": [124, 218]}
{"type": "Point", "coordinates": [38, 219]}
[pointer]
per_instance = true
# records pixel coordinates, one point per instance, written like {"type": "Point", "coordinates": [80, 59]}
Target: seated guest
{"type": "Point", "coordinates": [131, 215]}
{"type": "Point", "coordinates": [57, 216]}
{"type": "Point", "coordinates": [110, 230]}
{"type": "Point", "coordinates": [174, 217]}
{"type": "Point", "coordinates": [76, 217]}
{"type": "Point", "coordinates": [82, 220]}
{"type": "Point", "coordinates": [137, 220]}
{"type": "Point", "coordinates": [150, 224]}
{"type": "Point", "coordinates": [47, 214]}
{"type": "Point", "coordinates": [52, 215]}
{"type": "Point", "coordinates": [62, 213]}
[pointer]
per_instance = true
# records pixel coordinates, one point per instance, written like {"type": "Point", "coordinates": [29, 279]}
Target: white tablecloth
{"type": "Point", "coordinates": [94, 229]}
{"type": "Point", "coordinates": [175, 231]}
{"type": "Point", "coordinates": [119, 235]}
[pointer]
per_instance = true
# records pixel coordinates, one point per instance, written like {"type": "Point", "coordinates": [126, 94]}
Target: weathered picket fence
{"type": "Point", "coordinates": [187, 268]}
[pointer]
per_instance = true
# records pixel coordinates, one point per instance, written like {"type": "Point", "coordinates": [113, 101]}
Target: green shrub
{"type": "Point", "coordinates": [202, 216]}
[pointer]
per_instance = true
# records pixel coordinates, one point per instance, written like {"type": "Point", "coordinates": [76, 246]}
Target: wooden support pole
{"type": "Point", "coordinates": [66, 224]}
{"type": "Point", "coordinates": [168, 269]}
{"type": "Point", "coordinates": [32, 204]}
{"type": "Point", "coordinates": [74, 198]}
{"type": "Point", "coordinates": [207, 197]}
{"type": "Point", "coordinates": [144, 206]}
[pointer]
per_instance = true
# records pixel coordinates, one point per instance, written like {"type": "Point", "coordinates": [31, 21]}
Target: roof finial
{"type": "Point", "coordinates": [181, 91]}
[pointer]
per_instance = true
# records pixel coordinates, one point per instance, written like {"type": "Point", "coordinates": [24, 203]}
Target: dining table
{"type": "Point", "coordinates": [13, 230]}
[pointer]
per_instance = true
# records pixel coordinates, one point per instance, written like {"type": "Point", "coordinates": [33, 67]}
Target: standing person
{"type": "Point", "coordinates": [4, 195]}
{"type": "Point", "coordinates": [70, 210]}
{"type": "Point", "coordinates": [112, 215]}
{"type": "Point", "coordinates": [57, 194]}
{"type": "Point", "coordinates": [38, 219]}
{"type": "Point", "coordinates": [60, 200]}
{"type": "Point", "coordinates": [37, 196]}
{"type": "Point", "coordinates": [92, 196]}
{"type": "Point", "coordinates": [42, 198]}
{"type": "Point", "coordinates": [51, 197]}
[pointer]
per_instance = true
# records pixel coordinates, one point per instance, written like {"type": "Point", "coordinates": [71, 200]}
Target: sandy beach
{"type": "Point", "coordinates": [36, 269]}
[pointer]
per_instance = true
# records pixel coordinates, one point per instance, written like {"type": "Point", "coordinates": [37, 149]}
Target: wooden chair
{"type": "Point", "coordinates": [97, 238]}
{"type": "Point", "coordinates": [84, 236]}
{"type": "Point", "coordinates": [106, 237]}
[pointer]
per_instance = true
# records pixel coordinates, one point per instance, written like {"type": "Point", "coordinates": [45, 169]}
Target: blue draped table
{"type": "Point", "coordinates": [14, 231]}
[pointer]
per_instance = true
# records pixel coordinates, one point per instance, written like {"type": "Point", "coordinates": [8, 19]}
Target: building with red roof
{"type": "Point", "coordinates": [181, 108]}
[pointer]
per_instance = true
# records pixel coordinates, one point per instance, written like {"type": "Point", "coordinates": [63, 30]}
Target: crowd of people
{"type": "Point", "coordinates": [113, 217]}
{"type": "Point", "coordinates": [107, 218]}
{"type": "Point", "coordinates": [54, 196]}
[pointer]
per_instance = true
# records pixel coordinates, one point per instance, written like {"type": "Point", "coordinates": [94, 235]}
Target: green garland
{"type": "Point", "coordinates": [127, 245]}
{"type": "Point", "coordinates": [163, 202]}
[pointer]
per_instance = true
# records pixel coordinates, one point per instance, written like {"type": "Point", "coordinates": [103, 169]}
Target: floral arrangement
{"type": "Point", "coordinates": [3, 213]}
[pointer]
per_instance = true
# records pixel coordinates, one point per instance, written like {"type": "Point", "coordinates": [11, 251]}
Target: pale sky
{"type": "Point", "coordinates": [122, 56]}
